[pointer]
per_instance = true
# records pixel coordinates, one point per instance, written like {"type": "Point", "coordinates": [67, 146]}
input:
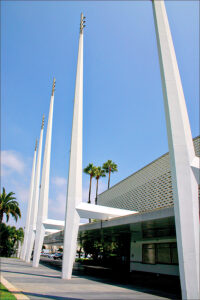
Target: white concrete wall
{"type": "Point", "coordinates": [157, 268]}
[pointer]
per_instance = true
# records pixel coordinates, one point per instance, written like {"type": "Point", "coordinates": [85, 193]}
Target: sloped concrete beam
{"type": "Point", "coordinates": [74, 188]}
{"type": "Point", "coordinates": [34, 206]}
{"type": "Point", "coordinates": [28, 215]}
{"type": "Point", "coordinates": [181, 151]}
{"type": "Point", "coordinates": [44, 190]}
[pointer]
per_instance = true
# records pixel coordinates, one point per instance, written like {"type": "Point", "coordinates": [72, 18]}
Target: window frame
{"type": "Point", "coordinates": [156, 245]}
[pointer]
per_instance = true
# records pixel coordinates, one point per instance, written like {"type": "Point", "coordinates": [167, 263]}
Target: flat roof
{"type": "Point", "coordinates": [159, 223]}
{"type": "Point", "coordinates": [130, 219]}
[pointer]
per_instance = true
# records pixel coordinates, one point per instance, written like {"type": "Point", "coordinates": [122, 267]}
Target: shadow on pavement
{"type": "Point", "coordinates": [163, 286]}
{"type": "Point", "coordinates": [24, 265]}
{"type": "Point", "coordinates": [39, 275]}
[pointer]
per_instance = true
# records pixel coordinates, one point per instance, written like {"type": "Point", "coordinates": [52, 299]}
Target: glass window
{"type": "Point", "coordinates": [163, 253]}
{"type": "Point", "coordinates": [174, 253]}
{"type": "Point", "coordinates": [148, 253]}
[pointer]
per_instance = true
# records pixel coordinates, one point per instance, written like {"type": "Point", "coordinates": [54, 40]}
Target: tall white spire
{"type": "Point", "coordinates": [24, 247]}
{"type": "Point", "coordinates": [44, 191]}
{"type": "Point", "coordinates": [182, 156]}
{"type": "Point", "coordinates": [34, 208]}
{"type": "Point", "coordinates": [74, 189]}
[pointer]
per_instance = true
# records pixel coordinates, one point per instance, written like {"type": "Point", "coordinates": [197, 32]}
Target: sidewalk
{"type": "Point", "coordinates": [46, 283]}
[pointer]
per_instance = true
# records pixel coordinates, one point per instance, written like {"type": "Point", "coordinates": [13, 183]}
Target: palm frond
{"type": "Point", "coordinates": [110, 166]}
{"type": "Point", "coordinates": [9, 205]}
{"type": "Point", "coordinates": [89, 169]}
{"type": "Point", "coordinates": [99, 172]}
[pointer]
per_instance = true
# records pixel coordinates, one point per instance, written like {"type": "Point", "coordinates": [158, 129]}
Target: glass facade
{"type": "Point", "coordinates": [160, 253]}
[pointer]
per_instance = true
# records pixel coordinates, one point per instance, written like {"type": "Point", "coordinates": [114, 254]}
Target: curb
{"type": "Point", "coordinates": [15, 291]}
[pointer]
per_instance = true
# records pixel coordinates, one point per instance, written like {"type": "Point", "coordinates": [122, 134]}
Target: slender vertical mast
{"type": "Point", "coordinates": [34, 208]}
{"type": "Point", "coordinates": [24, 248]}
{"type": "Point", "coordinates": [74, 189]}
{"type": "Point", "coordinates": [44, 191]}
{"type": "Point", "coordinates": [182, 155]}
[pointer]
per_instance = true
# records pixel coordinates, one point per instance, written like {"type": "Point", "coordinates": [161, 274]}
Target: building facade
{"type": "Point", "coordinates": [147, 238]}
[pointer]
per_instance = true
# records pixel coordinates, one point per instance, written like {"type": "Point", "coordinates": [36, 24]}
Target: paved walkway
{"type": "Point", "coordinates": [46, 283]}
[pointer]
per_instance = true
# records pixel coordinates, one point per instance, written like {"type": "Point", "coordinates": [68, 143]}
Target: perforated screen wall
{"type": "Point", "coordinates": [148, 189]}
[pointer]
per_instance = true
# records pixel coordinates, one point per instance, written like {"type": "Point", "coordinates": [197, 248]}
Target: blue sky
{"type": "Point", "coordinates": [123, 104]}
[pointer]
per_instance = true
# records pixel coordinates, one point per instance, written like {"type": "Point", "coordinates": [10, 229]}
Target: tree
{"type": "Point", "coordinates": [16, 236]}
{"type": "Point", "coordinates": [19, 242]}
{"type": "Point", "coordinates": [20, 235]}
{"type": "Point", "coordinates": [80, 244]}
{"type": "Point", "coordinates": [6, 247]}
{"type": "Point", "coordinates": [90, 169]}
{"type": "Point", "coordinates": [8, 206]}
{"type": "Point", "coordinates": [109, 167]}
{"type": "Point", "coordinates": [99, 172]}
{"type": "Point", "coordinates": [92, 245]}
{"type": "Point", "coordinates": [10, 238]}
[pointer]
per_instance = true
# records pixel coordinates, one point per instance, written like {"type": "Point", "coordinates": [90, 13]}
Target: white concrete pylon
{"type": "Point", "coordinates": [24, 247]}
{"type": "Point", "coordinates": [182, 156]}
{"type": "Point", "coordinates": [19, 249]}
{"type": "Point", "coordinates": [44, 190]}
{"type": "Point", "coordinates": [74, 189]}
{"type": "Point", "coordinates": [34, 208]}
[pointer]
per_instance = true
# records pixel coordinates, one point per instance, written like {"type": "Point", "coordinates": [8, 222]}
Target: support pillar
{"type": "Point", "coordinates": [19, 249]}
{"type": "Point", "coordinates": [181, 151]}
{"type": "Point", "coordinates": [74, 189]}
{"type": "Point", "coordinates": [44, 191]}
{"type": "Point", "coordinates": [34, 208]}
{"type": "Point", "coordinates": [24, 247]}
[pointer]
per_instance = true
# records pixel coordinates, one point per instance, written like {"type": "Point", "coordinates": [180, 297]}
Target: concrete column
{"type": "Point", "coordinates": [44, 190]}
{"type": "Point", "coordinates": [181, 151]}
{"type": "Point", "coordinates": [74, 189]}
{"type": "Point", "coordinates": [24, 247]}
{"type": "Point", "coordinates": [19, 249]}
{"type": "Point", "coordinates": [34, 208]}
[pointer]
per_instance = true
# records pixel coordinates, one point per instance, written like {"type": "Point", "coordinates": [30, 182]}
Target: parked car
{"type": "Point", "coordinates": [58, 256]}
{"type": "Point", "coordinates": [51, 255]}
{"type": "Point", "coordinates": [80, 256]}
{"type": "Point", "coordinates": [44, 254]}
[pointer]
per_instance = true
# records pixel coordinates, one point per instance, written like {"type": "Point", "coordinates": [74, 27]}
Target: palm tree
{"type": "Point", "coordinates": [90, 169]}
{"type": "Point", "coordinates": [8, 206]}
{"type": "Point", "coordinates": [18, 238]}
{"type": "Point", "coordinates": [10, 239]}
{"type": "Point", "coordinates": [99, 172]}
{"type": "Point", "coordinates": [109, 167]}
{"type": "Point", "coordinates": [20, 234]}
